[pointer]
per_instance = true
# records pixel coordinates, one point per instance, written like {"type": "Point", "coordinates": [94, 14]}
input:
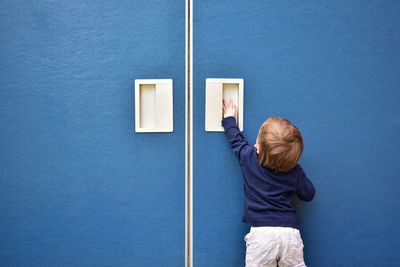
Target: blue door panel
{"type": "Point", "coordinates": [331, 68]}
{"type": "Point", "coordinates": [78, 186]}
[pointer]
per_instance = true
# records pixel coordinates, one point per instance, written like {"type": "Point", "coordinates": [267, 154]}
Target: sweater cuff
{"type": "Point", "coordinates": [229, 122]}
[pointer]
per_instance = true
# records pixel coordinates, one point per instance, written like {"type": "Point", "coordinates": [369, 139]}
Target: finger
{"type": "Point", "coordinates": [224, 103]}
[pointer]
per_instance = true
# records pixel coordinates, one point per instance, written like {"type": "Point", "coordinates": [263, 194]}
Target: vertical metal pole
{"type": "Point", "coordinates": [189, 135]}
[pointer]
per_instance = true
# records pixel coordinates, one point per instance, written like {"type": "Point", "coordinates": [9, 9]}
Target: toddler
{"type": "Point", "coordinates": [272, 176]}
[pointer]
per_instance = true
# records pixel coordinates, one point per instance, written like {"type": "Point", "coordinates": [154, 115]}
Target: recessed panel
{"type": "Point", "coordinates": [153, 105]}
{"type": "Point", "coordinates": [218, 90]}
{"type": "Point", "coordinates": [147, 106]}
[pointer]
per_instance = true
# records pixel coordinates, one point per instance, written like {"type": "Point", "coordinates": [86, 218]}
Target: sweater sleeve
{"type": "Point", "coordinates": [304, 189]}
{"type": "Point", "coordinates": [238, 142]}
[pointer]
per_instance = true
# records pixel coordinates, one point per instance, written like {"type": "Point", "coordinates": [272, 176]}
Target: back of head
{"type": "Point", "coordinates": [280, 144]}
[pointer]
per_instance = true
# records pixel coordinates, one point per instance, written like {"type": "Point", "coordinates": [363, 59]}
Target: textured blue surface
{"type": "Point", "coordinates": [77, 186]}
{"type": "Point", "coordinates": [331, 67]}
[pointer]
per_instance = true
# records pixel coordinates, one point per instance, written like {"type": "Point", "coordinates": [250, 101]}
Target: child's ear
{"type": "Point", "coordinates": [257, 147]}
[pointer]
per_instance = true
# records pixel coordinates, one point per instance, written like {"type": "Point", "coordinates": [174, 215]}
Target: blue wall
{"type": "Point", "coordinates": [331, 67]}
{"type": "Point", "coordinates": [78, 186]}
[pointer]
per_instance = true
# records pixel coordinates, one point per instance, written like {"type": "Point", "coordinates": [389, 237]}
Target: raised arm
{"type": "Point", "coordinates": [238, 142]}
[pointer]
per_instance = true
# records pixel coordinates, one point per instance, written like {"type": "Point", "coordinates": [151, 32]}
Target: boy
{"type": "Point", "coordinates": [271, 178]}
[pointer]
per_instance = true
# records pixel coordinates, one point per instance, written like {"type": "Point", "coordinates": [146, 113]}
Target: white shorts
{"type": "Point", "coordinates": [274, 246]}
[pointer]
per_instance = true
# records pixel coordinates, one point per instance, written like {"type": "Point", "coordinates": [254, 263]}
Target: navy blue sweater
{"type": "Point", "coordinates": [268, 194]}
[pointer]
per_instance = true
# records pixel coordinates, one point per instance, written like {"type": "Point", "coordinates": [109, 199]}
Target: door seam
{"type": "Point", "coordinates": [188, 133]}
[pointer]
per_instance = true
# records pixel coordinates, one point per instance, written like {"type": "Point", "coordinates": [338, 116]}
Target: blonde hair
{"type": "Point", "coordinates": [280, 144]}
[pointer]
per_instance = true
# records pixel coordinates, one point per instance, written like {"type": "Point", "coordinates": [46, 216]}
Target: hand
{"type": "Point", "coordinates": [228, 108]}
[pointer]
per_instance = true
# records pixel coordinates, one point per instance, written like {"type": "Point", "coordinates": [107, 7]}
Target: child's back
{"type": "Point", "coordinates": [271, 178]}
